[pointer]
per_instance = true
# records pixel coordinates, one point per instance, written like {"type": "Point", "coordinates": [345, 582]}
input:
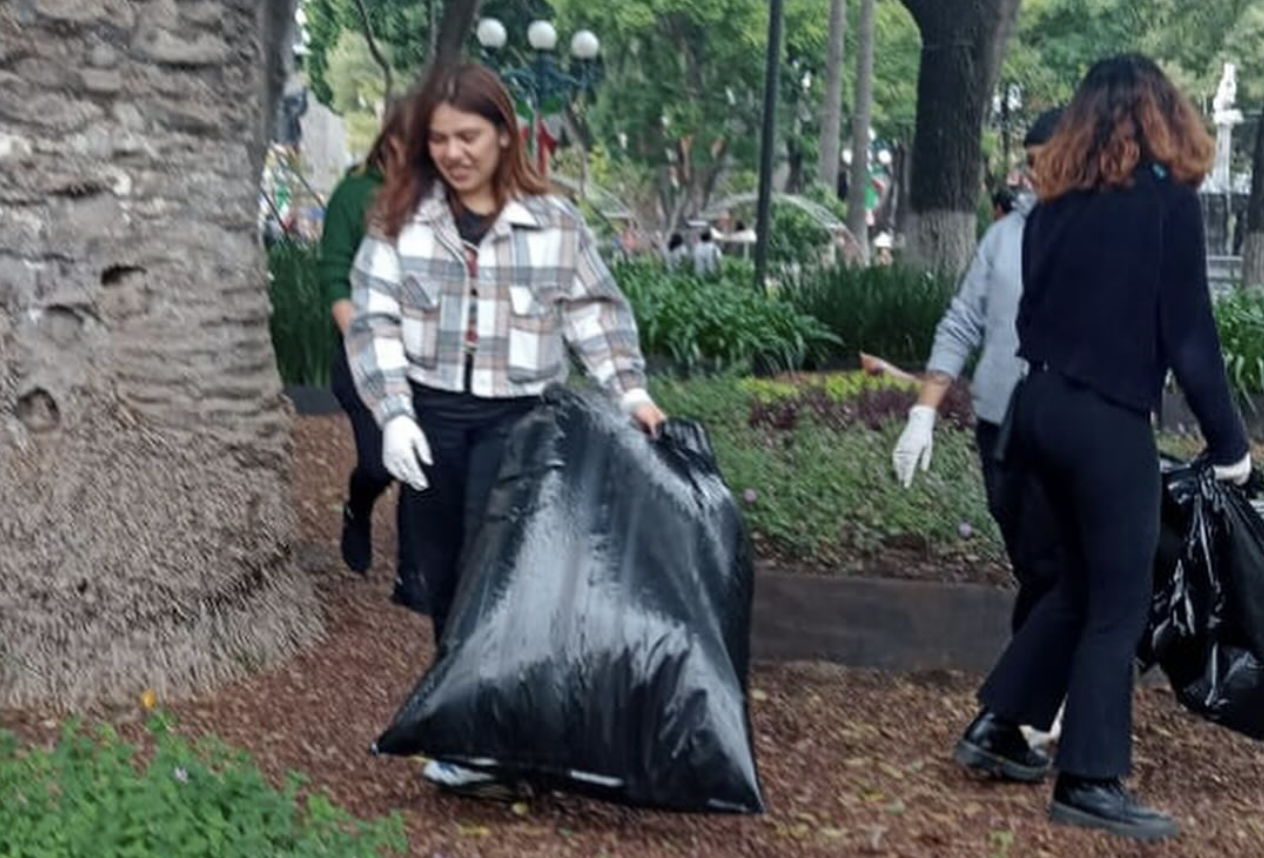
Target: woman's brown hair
{"type": "Point", "coordinates": [469, 88]}
{"type": "Point", "coordinates": [388, 147]}
{"type": "Point", "coordinates": [1125, 112]}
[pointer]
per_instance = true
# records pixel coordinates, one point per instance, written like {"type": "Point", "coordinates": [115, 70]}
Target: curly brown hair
{"type": "Point", "coordinates": [1124, 112]}
{"type": "Point", "coordinates": [470, 88]}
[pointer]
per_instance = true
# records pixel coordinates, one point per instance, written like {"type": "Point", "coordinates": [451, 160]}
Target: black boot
{"type": "Point", "coordinates": [997, 747]}
{"type": "Point", "coordinates": [1105, 804]}
{"type": "Point", "coordinates": [357, 539]}
{"type": "Point", "coordinates": [410, 593]}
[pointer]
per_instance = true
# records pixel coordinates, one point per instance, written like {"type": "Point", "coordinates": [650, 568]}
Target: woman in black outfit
{"type": "Point", "coordinates": [1114, 295]}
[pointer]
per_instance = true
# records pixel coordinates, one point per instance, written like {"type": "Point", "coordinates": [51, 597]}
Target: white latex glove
{"type": "Point", "coordinates": [404, 450]}
{"type": "Point", "coordinates": [915, 444]}
{"type": "Point", "coordinates": [1237, 473]}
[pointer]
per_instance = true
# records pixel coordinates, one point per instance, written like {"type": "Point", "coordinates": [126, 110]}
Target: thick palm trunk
{"type": "Point", "coordinates": [145, 509]}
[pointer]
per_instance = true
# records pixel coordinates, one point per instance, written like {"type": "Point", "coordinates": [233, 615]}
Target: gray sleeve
{"type": "Point", "coordinates": [962, 328]}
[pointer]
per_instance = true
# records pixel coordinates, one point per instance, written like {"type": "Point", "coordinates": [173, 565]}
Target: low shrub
{"type": "Point", "coordinates": [1240, 321]}
{"type": "Point", "coordinates": [303, 335]}
{"type": "Point", "coordinates": [94, 795]}
{"type": "Point", "coordinates": [796, 238]}
{"type": "Point", "coordinates": [822, 491]}
{"type": "Point", "coordinates": [889, 311]}
{"type": "Point", "coordinates": [717, 324]}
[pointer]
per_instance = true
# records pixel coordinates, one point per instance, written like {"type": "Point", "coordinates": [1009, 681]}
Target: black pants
{"type": "Point", "coordinates": [467, 437]}
{"type": "Point", "coordinates": [1018, 504]}
{"type": "Point", "coordinates": [1098, 465]}
{"type": "Point", "coordinates": [369, 478]}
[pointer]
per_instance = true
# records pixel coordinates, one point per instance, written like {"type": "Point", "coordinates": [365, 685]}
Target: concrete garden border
{"type": "Point", "coordinates": [879, 622]}
{"type": "Point", "coordinates": [311, 401]}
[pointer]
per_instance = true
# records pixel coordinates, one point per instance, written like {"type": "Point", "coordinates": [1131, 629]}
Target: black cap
{"type": "Point", "coordinates": [1044, 126]}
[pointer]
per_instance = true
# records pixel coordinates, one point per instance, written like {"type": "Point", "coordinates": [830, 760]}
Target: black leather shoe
{"type": "Point", "coordinates": [410, 598]}
{"type": "Point", "coordinates": [357, 540]}
{"type": "Point", "coordinates": [997, 747]}
{"type": "Point", "coordinates": [1105, 804]}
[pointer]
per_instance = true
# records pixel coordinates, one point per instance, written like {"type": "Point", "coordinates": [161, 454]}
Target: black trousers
{"type": "Point", "coordinates": [368, 478]}
{"type": "Point", "coordinates": [1018, 504]}
{"type": "Point", "coordinates": [1098, 466]}
{"type": "Point", "coordinates": [467, 437]}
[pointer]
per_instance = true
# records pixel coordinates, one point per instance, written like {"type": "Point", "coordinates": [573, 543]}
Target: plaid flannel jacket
{"type": "Point", "coordinates": [540, 286]}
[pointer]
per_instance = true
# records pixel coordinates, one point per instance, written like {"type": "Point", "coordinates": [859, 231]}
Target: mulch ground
{"type": "Point", "coordinates": [852, 762]}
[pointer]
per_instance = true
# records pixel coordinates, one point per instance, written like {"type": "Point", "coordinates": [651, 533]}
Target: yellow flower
{"type": "Point", "coordinates": [148, 700]}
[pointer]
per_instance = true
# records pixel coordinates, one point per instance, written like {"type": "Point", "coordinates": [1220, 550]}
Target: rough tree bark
{"type": "Point", "coordinates": [962, 46]}
{"type": "Point", "coordinates": [858, 184]}
{"type": "Point", "coordinates": [831, 119]}
{"type": "Point", "coordinates": [145, 505]}
{"type": "Point", "coordinates": [1253, 246]}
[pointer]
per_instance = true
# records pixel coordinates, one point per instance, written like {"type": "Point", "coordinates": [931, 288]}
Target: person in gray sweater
{"type": "Point", "coordinates": [982, 316]}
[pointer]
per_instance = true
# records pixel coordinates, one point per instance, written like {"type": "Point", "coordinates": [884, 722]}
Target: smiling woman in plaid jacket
{"type": "Point", "coordinates": [467, 290]}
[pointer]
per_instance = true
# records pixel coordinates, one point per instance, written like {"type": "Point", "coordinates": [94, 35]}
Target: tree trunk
{"type": "Point", "coordinates": [388, 80]}
{"type": "Point", "coordinates": [145, 494]}
{"type": "Point", "coordinates": [454, 27]}
{"type": "Point", "coordinates": [432, 32]}
{"type": "Point", "coordinates": [1253, 246]}
{"type": "Point", "coordinates": [831, 119]}
{"type": "Point", "coordinates": [859, 183]}
{"type": "Point", "coordinates": [962, 45]}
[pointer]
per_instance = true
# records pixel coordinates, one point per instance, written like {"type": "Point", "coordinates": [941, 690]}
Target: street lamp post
{"type": "Point", "coordinates": [541, 79]}
{"type": "Point", "coordinates": [767, 142]}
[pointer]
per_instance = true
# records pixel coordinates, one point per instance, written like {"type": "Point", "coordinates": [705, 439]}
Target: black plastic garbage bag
{"type": "Point", "coordinates": [600, 633]}
{"type": "Point", "coordinates": [1206, 628]}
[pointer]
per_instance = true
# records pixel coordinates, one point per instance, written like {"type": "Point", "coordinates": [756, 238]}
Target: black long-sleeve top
{"type": "Point", "coordinates": [1115, 293]}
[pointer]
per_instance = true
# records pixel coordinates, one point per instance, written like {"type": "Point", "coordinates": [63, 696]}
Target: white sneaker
{"type": "Point", "coordinates": [1039, 739]}
{"type": "Point", "coordinates": [457, 779]}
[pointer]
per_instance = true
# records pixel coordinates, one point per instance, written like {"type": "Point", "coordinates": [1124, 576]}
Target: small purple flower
{"type": "Point", "coordinates": [964, 530]}
{"type": "Point", "coordinates": [749, 495]}
{"type": "Point", "coordinates": [181, 775]}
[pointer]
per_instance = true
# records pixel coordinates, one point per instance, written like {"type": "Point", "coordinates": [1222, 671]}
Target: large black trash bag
{"type": "Point", "coordinates": [1206, 626]}
{"type": "Point", "coordinates": [599, 638]}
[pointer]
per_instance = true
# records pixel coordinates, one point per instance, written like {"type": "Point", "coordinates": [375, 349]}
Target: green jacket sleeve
{"type": "Point", "coordinates": [343, 231]}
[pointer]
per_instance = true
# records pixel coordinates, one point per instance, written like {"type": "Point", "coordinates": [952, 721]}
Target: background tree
{"type": "Point", "coordinates": [357, 89]}
{"type": "Point", "coordinates": [858, 186]}
{"type": "Point", "coordinates": [831, 115]}
{"type": "Point", "coordinates": [145, 494]}
{"type": "Point", "coordinates": [962, 46]}
{"type": "Point", "coordinates": [455, 27]}
{"type": "Point", "coordinates": [399, 29]}
{"type": "Point", "coordinates": [681, 95]}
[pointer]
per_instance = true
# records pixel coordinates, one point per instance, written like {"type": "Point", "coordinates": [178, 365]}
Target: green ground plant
{"type": "Point", "coordinates": [93, 794]}
{"type": "Point", "coordinates": [824, 494]}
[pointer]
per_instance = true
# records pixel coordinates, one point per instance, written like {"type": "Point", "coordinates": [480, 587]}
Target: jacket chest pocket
{"type": "Point", "coordinates": [419, 317]}
{"type": "Point", "coordinates": [535, 335]}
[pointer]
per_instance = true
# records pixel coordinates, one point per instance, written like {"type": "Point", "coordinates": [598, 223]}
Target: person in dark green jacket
{"type": "Point", "coordinates": [344, 229]}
